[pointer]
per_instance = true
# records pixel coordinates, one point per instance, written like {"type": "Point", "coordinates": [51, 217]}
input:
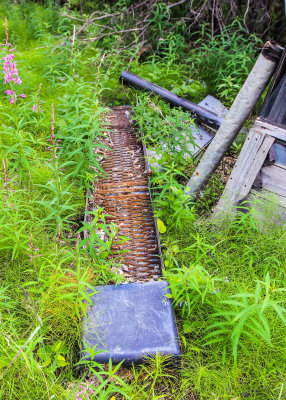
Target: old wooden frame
{"type": "Point", "coordinates": [251, 163]}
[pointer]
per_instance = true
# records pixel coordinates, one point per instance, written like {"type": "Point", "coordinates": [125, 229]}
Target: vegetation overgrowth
{"type": "Point", "coordinates": [228, 281]}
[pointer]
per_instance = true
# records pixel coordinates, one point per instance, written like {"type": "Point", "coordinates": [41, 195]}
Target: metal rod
{"type": "Point", "coordinates": [242, 106]}
{"type": "Point", "coordinates": [200, 113]}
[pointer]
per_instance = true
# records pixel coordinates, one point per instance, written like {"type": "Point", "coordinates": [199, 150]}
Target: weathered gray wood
{"type": "Point", "coordinates": [248, 165]}
{"type": "Point", "coordinates": [274, 179]}
{"type": "Point", "coordinates": [269, 208]}
{"type": "Point", "coordinates": [267, 196]}
{"type": "Point", "coordinates": [269, 129]}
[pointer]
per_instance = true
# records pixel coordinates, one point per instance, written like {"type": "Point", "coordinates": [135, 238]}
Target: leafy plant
{"type": "Point", "coordinates": [225, 60]}
{"type": "Point", "coordinates": [105, 383]}
{"type": "Point", "coordinates": [246, 316]}
{"type": "Point", "coordinates": [53, 355]}
{"type": "Point", "coordinates": [191, 286]}
{"type": "Point", "coordinates": [49, 270]}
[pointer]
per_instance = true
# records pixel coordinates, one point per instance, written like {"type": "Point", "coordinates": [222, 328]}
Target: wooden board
{"type": "Point", "coordinates": [248, 165]}
{"type": "Point", "coordinates": [269, 193]}
{"type": "Point", "coordinates": [274, 179]}
{"type": "Point", "coordinates": [269, 208]}
{"type": "Point", "coordinates": [275, 131]}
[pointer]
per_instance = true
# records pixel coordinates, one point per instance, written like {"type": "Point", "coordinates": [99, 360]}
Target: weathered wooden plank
{"type": "Point", "coordinates": [270, 129]}
{"type": "Point", "coordinates": [274, 179]}
{"type": "Point", "coordinates": [270, 208]}
{"type": "Point", "coordinates": [267, 196]}
{"type": "Point", "coordinates": [248, 165]}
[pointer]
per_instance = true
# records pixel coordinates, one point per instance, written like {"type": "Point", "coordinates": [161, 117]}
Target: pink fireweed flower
{"type": "Point", "coordinates": [54, 143]}
{"type": "Point", "coordinates": [10, 70]}
{"type": "Point", "coordinates": [11, 74]}
{"type": "Point", "coordinates": [85, 391]}
{"type": "Point", "coordinates": [53, 120]}
{"type": "Point", "coordinates": [58, 238]}
{"type": "Point", "coordinates": [37, 105]}
{"type": "Point", "coordinates": [59, 235]}
{"type": "Point", "coordinates": [13, 95]}
{"type": "Point", "coordinates": [32, 251]}
{"type": "Point", "coordinates": [36, 108]}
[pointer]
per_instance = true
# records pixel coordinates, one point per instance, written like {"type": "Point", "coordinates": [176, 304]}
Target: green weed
{"type": "Point", "coordinates": [227, 281]}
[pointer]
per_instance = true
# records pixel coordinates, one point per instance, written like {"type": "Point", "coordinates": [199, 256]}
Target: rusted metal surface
{"type": "Point", "coordinates": [124, 194]}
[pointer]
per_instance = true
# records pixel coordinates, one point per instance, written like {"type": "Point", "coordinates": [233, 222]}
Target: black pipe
{"type": "Point", "coordinates": [200, 113]}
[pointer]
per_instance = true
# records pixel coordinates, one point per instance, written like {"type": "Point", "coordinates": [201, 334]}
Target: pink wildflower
{"type": "Point", "coordinates": [86, 391]}
{"type": "Point", "coordinates": [13, 95]}
{"type": "Point", "coordinates": [32, 250]}
{"type": "Point", "coordinates": [58, 239]}
{"type": "Point", "coordinates": [11, 74]}
{"type": "Point", "coordinates": [37, 106]}
{"type": "Point", "coordinates": [54, 142]}
{"type": "Point", "coordinates": [53, 120]}
{"type": "Point", "coordinates": [10, 70]}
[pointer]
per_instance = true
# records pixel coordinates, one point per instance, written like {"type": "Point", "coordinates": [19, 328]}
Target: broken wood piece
{"type": "Point", "coordinates": [253, 162]}
{"type": "Point", "coordinates": [248, 165]}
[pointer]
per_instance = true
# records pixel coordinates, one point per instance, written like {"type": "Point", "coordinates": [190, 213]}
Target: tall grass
{"type": "Point", "coordinates": [227, 281]}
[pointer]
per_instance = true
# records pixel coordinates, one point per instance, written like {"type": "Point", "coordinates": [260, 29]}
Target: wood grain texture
{"type": "Point", "coordinates": [248, 165]}
{"type": "Point", "coordinates": [274, 179]}
{"type": "Point", "coordinates": [269, 129]}
{"type": "Point", "coordinates": [269, 208]}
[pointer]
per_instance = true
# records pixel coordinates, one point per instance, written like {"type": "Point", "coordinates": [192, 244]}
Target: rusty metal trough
{"type": "Point", "coordinates": [134, 319]}
{"type": "Point", "coordinates": [124, 194]}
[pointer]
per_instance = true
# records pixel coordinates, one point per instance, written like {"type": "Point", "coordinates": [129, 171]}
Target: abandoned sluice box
{"type": "Point", "coordinates": [132, 320]}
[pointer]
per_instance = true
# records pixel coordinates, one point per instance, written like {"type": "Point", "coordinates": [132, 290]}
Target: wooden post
{"type": "Point", "coordinates": [249, 163]}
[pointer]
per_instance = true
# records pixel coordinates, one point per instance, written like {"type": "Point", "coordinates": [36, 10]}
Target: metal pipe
{"type": "Point", "coordinates": [200, 113]}
{"type": "Point", "coordinates": [242, 106]}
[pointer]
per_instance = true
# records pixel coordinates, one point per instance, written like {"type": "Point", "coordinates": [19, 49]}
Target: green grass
{"type": "Point", "coordinates": [227, 279]}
